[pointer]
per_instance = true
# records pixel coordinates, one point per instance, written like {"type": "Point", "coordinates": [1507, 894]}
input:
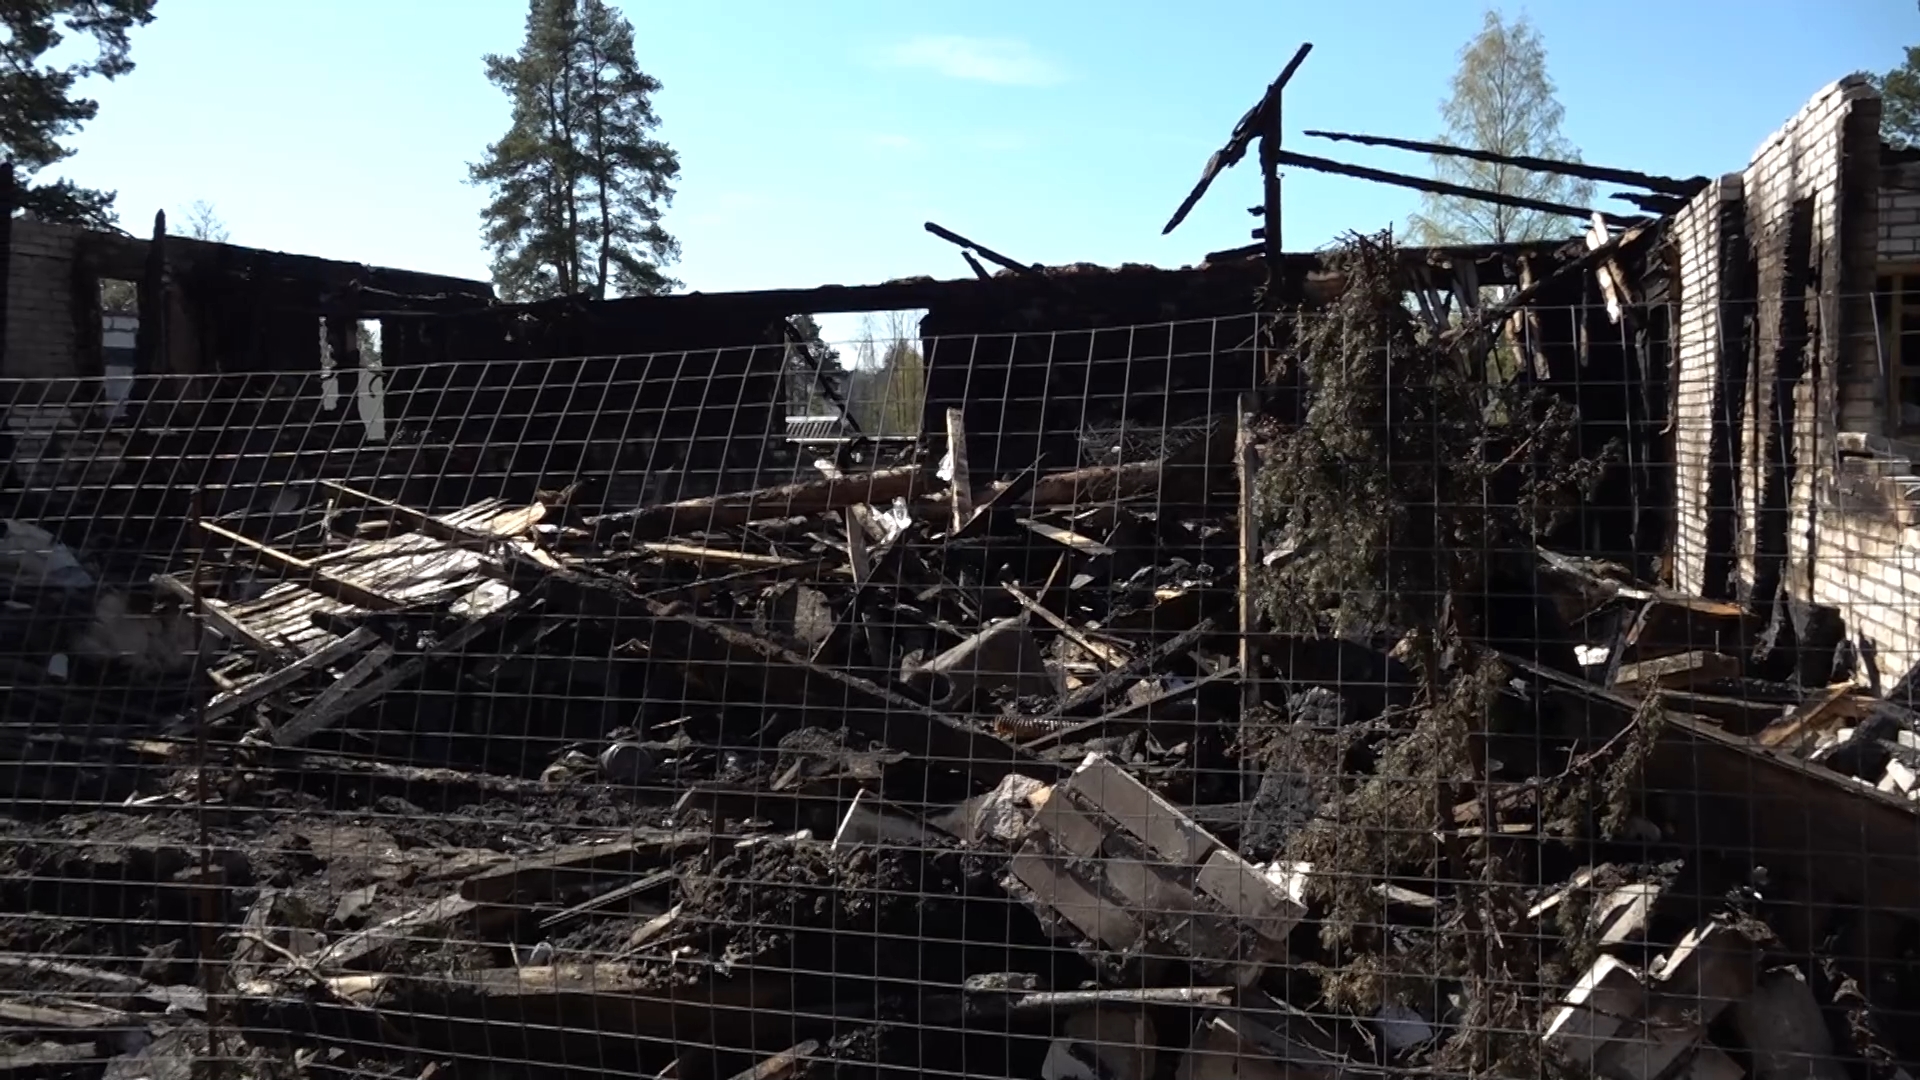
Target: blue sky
{"type": "Point", "coordinates": [816, 138]}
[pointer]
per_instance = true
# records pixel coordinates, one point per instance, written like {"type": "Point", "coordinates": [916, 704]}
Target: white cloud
{"type": "Point", "coordinates": [1001, 61]}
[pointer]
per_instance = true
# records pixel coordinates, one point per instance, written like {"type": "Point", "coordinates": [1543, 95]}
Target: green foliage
{"type": "Point", "coordinates": [1502, 100]}
{"type": "Point", "coordinates": [367, 343]}
{"type": "Point", "coordinates": [805, 395]}
{"type": "Point", "coordinates": [887, 386]}
{"type": "Point", "coordinates": [902, 390]}
{"type": "Point", "coordinates": [578, 182]}
{"type": "Point", "coordinates": [1385, 495]}
{"type": "Point", "coordinates": [1383, 490]}
{"type": "Point", "coordinates": [1900, 101]}
{"type": "Point", "coordinates": [39, 108]}
{"type": "Point", "coordinates": [202, 222]}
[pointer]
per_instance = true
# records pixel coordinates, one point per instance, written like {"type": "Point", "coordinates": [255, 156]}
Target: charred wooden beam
{"type": "Point", "coordinates": [985, 252]}
{"type": "Point", "coordinates": [1441, 187]}
{"type": "Point", "coordinates": [1250, 127]}
{"type": "Point", "coordinates": [721, 511]}
{"type": "Point", "coordinates": [6, 251]}
{"type": "Point", "coordinates": [1491, 261]}
{"type": "Point", "coordinates": [1652, 204]}
{"type": "Point", "coordinates": [150, 339]}
{"type": "Point", "coordinates": [1665, 185]}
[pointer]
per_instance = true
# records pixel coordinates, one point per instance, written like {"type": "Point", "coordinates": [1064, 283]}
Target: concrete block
{"type": "Point", "coordinates": [1645, 1052]}
{"type": "Point", "coordinates": [1101, 783]}
{"type": "Point", "coordinates": [1599, 1007]}
{"type": "Point", "coordinates": [1242, 889]}
{"type": "Point", "coordinates": [1899, 779]}
{"type": "Point", "coordinates": [1782, 1026]}
{"type": "Point", "coordinates": [1055, 884]}
{"type": "Point", "coordinates": [1070, 828]}
{"type": "Point", "coordinates": [1711, 1063]}
{"type": "Point", "coordinates": [1106, 1043]}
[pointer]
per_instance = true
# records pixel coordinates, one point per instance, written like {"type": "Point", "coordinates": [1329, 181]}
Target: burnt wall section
{"type": "Point", "coordinates": [1079, 359]}
{"type": "Point", "coordinates": [229, 308]}
{"type": "Point", "coordinates": [1820, 173]}
{"type": "Point", "coordinates": [1769, 266]}
{"type": "Point", "coordinates": [1613, 372]}
{"type": "Point", "coordinates": [1102, 359]}
{"type": "Point", "coordinates": [1711, 311]}
{"type": "Point", "coordinates": [41, 340]}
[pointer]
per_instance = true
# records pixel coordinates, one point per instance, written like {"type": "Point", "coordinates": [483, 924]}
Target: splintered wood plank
{"type": "Point", "coordinates": [962, 482]}
{"type": "Point", "coordinates": [1680, 670]}
{"type": "Point", "coordinates": [612, 898]}
{"type": "Point", "coordinates": [537, 876]}
{"type": "Point", "coordinates": [478, 527]}
{"type": "Point", "coordinates": [362, 945]}
{"type": "Point", "coordinates": [702, 554]}
{"type": "Point", "coordinates": [224, 622]}
{"type": "Point", "coordinates": [267, 685]}
{"type": "Point", "coordinates": [1085, 545]}
{"type": "Point", "coordinates": [789, 500]}
{"type": "Point", "coordinates": [327, 709]}
{"type": "Point", "coordinates": [1106, 654]}
{"type": "Point", "coordinates": [787, 1062]}
{"type": "Point", "coordinates": [56, 1015]}
{"type": "Point", "coordinates": [316, 578]}
{"type": "Point", "coordinates": [1819, 712]}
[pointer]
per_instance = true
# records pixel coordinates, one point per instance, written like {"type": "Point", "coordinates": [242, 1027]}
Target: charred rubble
{"type": "Point", "coordinates": [1348, 722]}
{"type": "Point", "coordinates": [1178, 763]}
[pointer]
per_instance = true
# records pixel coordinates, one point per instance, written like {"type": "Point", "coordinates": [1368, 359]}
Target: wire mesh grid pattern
{"type": "Point", "coordinates": [1202, 700]}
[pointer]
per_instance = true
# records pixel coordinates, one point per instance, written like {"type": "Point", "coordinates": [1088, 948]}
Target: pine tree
{"type": "Point", "coordinates": [810, 361]}
{"type": "Point", "coordinates": [1502, 101]}
{"type": "Point", "coordinates": [1900, 101]}
{"type": "Point", "coordinates": [38, 106]}
{"type": "Point", "coordinates": [578, 182]}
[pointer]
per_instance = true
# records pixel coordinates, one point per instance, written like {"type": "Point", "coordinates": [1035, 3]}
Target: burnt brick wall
{"type": "Point", "coordinates": [41, 338]}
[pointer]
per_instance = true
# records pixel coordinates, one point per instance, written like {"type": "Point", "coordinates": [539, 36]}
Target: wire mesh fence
{"type": "Point", "coordinates": [1205, 700]}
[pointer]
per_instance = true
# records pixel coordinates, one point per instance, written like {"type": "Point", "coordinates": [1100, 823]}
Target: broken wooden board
{"type": "Point", "coordinates": [1084, 545]}
{"type": "Point", "coordinates": [772, 674]}
{"type": "Point", "coordinates": [409, 569]}
{"type": "Point", "coordinates": [787, 1062]}
{"type": "Point", "coordinates": [572, 1012]}
{"type": "Point", "coordinates": [790, 500]}
{"type": "Point", "coordinates": [1822, 711]}
{"type": "Point", "coordinates": [535, 877]}
{"type": "Point", "coordinates": [267, 685]}
{"type": "Point", "coordinates": [312, 576]}
{"type": "Point", "coordinates": [365, 946]}
{"type": "Point", "coordinates": [1130, 715]}
{"type": "Point", "coordinates": [1677, 671]}
{"type": "Point", "coordinates": [1827, 838]}
{"type": "Point", "coordinates": [375, 675]}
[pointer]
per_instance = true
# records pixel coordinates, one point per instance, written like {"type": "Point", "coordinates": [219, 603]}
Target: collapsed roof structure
{"type": "Point", "coordinates": [516, 713]}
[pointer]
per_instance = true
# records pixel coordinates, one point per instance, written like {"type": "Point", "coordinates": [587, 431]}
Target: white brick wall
{"type": "Point", "coordinates": [1864, 561]}
{"type": "Point", "coordinates": [1900, 214]}
{"type": "Point", "coordinates": [40, 325]}
{"type": "Point", "coordinates": [1697, 239]}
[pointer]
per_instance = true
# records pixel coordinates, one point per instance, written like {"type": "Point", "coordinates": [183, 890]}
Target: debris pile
{"type": "Point", "coordinates": [906, 770]}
